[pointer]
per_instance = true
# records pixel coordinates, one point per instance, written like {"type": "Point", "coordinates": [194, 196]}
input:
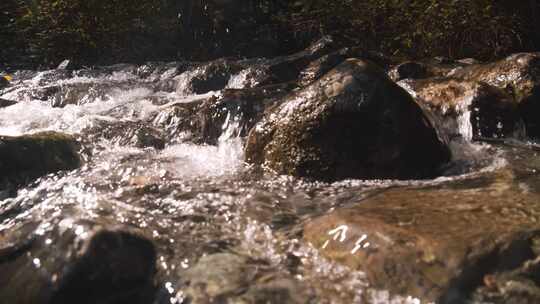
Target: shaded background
{"type": "Point", "coordinates": [42, 33]}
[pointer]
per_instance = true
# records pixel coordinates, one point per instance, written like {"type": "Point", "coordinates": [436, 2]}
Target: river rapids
{"type": "Point", "coordinates": [196, 200]}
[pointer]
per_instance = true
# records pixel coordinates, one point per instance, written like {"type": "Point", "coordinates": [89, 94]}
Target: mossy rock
{"type": "Point", "coordinates": [24, 158]}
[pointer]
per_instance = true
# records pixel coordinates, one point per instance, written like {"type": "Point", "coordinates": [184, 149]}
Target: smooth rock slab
{"type": "Point", "coordinates": [439, 244]}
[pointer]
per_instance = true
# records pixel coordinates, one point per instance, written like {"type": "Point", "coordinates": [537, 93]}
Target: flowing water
{"type": "Point", "coordinates": [193, 199]}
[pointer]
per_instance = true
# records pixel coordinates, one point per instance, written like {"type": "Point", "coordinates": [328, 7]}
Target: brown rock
{"type": "Point", "coordinates": [438, 243]}
{"type": "Point", "coordinates": [470, 109]}
{"type": "Point", "coordinates": [352, 123]}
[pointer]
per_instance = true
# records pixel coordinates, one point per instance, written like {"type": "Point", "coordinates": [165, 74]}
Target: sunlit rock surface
{"type": "Point", "coordinates": [441, 243]}
{"type": "Point", "coordinates": [519, 75]}
{"type": "Point", "coordinates": [471, 109]}
{"type": "Point", "coordinates": [352, 123]}
{"type": "Point", "coordinates": [237, 279]}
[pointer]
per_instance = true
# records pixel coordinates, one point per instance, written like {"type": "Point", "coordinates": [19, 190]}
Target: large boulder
{"type": "Point", "coordinates": [27, 157]}
{"type": "Point", "coordinates": [466, 108]}
{"type": "Point", "coordinates": [75, 262]}
{"type": "Point", "coordinates": [352, 123]}
{"type": "Point", "coordinates": [444, 243]}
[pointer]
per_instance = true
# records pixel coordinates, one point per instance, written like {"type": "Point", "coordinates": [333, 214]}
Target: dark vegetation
{"type": "Point", "coordinates": [44, 32]}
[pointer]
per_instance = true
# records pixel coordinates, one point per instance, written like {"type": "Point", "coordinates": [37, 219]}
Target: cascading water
{"type": "Point", "coordinates": [191, 199]}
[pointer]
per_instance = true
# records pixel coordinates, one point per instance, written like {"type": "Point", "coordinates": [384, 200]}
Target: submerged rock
{"type": "Point", "coordinates": [27, 157]}
{"type": "Point", "coordinates": [230, 278]}
{"type": "Point", "coordinates": [77, 262]}
{"type": "Point", "coordinates": [288, 68]}
{"type": "Point", "coordinates": [470, 109]}
{"type": "Point", "coordinates": [438, 243]}
{"type": "Point", "coordinates": [352, 123]}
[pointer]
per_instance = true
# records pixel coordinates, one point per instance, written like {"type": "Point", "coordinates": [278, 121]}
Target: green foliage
{"type": "Point", "coordinates": [57, 29]}
{"type": "Point", "coordinates": [454, 28]}
{"type": "Point", "coordinates": [106, 31]}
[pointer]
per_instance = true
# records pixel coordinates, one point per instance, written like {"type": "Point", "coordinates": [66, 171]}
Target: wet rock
{"type": "Point", "coordinates": [127, 133]}
{"type": "Point", "coordinates": [211, 76]}
{"type": "Point", "coordinates": [155, 71]}
{"type": "Point", "coordinates": [147, 138]}
{"type": "Point", "coordinates": [231, 114]}
{"type": "Point", "coordinates": [352, 123]}
{"type": "Point", "coordinates": [50, 77]}
{"type": "Point", "coordinates": [69, 64]}
{"type": "Point", "coordinates": [437, 243]}
{"type": "Point", "coordinates": [76, 262]}
{"type": "Point", "coordinates": [473, 110]}
{"type": "Point", "coordinates": [181, 122]}
{"type": "Point", "coordinates": [230, 278]}
{"type": "Point", "coordinates": [109, 71]}
{"type": "Point", "coordinates": [317, 68]}
{"type": "Point", "coordinates": [27, 157]}
{"type": "Point", "coordinates": [428, 68]}
{"type": "Point", "coordinates": [73, 94]}
{"type": "Point", "coordinates": [410, 69]}
{"type": "Point", "coordinates": [288, 68]}
{"type": "Point", "coordinates": [469, 61]}
{"type": "Point", "coordinates": [6, 103]}
{"type": "Point", "coordinates": [521, 285]}
{"type": "Point", "coordinates": [519, 74]}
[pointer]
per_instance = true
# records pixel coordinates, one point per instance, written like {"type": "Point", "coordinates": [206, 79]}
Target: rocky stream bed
{"type": "Point", "coordinates": [333, 175]}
